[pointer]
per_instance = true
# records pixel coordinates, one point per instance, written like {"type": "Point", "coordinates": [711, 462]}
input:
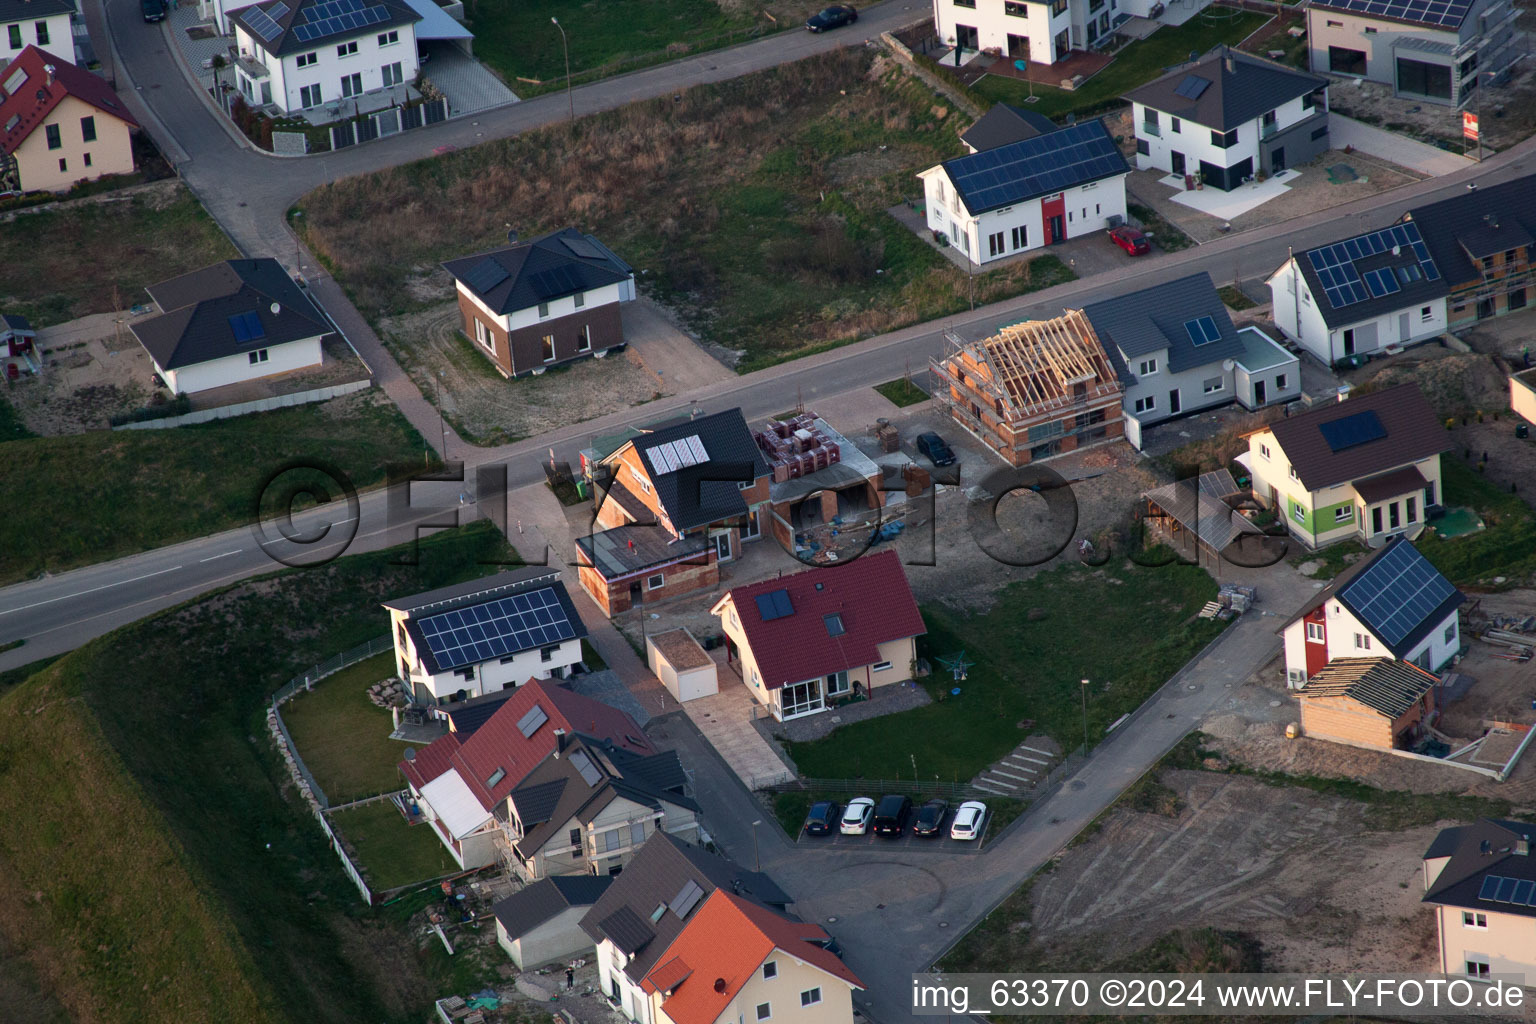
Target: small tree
{"type": "Point", "coordinates": [218, 63]}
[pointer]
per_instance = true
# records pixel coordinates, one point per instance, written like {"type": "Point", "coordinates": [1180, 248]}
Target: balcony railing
{"type": "Point", "coordinates": [1151, 128]}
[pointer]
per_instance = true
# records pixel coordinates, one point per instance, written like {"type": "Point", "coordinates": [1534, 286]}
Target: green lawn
{"type": "Point", "coordinates": [1164, 233]}
{"type": "Point", "coordinates": [208, 892]}
{"type": "Point", "coordinates": [1135, 65]}
{"type": "Point", "coordinates": [97, 257]}
{"type": "Point", "coordinates": [1126, 629]}
{"type": "Point", "coordinates": [391, 853]}
{"type": "Point", "coordinates": [902, 392]}
{"type": "Point", "coordinates": [343, 737]}
{"type": "Point", "coordinates": [1332, 560]}
{"type": "Point", "coordinates": [131, 490]}
{"type": "Point", "coordinates": [1507, 547]}
{"type": "Point", "coordinates": [755, 207]}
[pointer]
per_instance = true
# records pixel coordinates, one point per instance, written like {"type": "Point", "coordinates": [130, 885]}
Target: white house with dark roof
{"type": "Point", "coordinates": [541, 923]}
{"type": "Point", "coordinates": [1228, 117]}
{"type": "Point", "coordinates": [1026, 194]}
{"type": "Point", "coordinates": [234, 321]}
{"type": "Point", "coordinates": [1177, 352]}
{"type": "Point", "coordinates": [1483, 241]}
{"type": "Point", "coordinates": [1438, 51]}
{"type": "Point", "coordinates": [536, 304]}
{"type": "Point", "coordinates": [40, 23]}
{"type": "Point", "coordinates": [300, 54]}
{"type": "Point", "coordinates": [1359, 296]}
{"type": "Point", "coordinates": [1042, 33]}
{"type": "Point", "coordinates": [1481, 880]}
{"type": "Point", "coordinates": [485, 635]}
{"type": "Point", "coordinates": [1002, 124]}
{"type": "Point", "coordinates": [1391, 604]}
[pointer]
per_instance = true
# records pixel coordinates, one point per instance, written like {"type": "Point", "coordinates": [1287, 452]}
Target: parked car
{"type": "Point", "coordinates": [930, 818]}
{"type": "Point", "coordinates": [856, 816]}
{"type": "Point", "coordinates": [153, 10]}
{"type": "Point", "coordinates": [823, 818]}
{"type": "Point", "coordinates": [970, 819]}
{"type": "Point", "coordinates": [835, 16]}
{"type": "Point", "coordinates": [891, 814]}
{"type": "Point", "coordinates": [933, 446]}
{"type": "Point", "coordinates": [1132, 241]}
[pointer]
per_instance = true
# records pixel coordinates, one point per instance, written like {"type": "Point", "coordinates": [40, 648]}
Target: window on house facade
{"type": "Point", "coordinates": [392, 74]}
{"type": "Point", "coordinates": [1020, 237]}
{"type": "Point", "coordinates": [548, 653]}
{"type": "Point", "coordinates": [347, 49]}
{"type": "Point", "coordinates": [770, 970]}
{"type": "Point", "coordinates": [63, 165]}
{"type": "Point", "coordinates": [543, 310]}
{"type": "Point", "coordinates": [1472, 920]}
{"type": "Point", "coordinates": [547, 348]}
{"type": "Point", "coordinates": [309, 96]}
{"type": "Point", "coordinates": [1344, 514]}
{"type": "Point", "coordinates": [1335, 24]}
{"type": "Point", "coordinates": [352, 85]}
{"type": "Point", "coordinates": [307, 60]}
{"type": "Point", "coordinates": [1477, 968]}
{"type": "Point", "coordinates": [42, 33]}
{"type": "Point", "coordinates": [1411, 510]}
{"type": "Point", "coordinates": [880, 666]}
{"type": "Point", "coordinates": [584, 339]}
{"type": "Point", "coordinates": [1362, 641]}
{"type": "Point", "coordinates": [1015, 10]}
{"type": "Point", "coordinates": [484, 336]}
{"type": "Point", "coordinates": [55, 138]}
{"type": "Point", "coordinates": [1058, 8]}
{"type": "Point", "coordinates": [579, 299]}
{"type": "Point", "coordinates": [1224, 140]}
{"type": "Point", "coordinates": [1279, 382]}
{"type": "Point", "coordinates": [15, 36]}
{"type": "Point", "coordinates": [966, 3]}
{"type": "Point", "coordinates": [1143, 147]}
{"type": "Point", "coordinates": [1264, 451]}
{"type": "Point", "coordinates": [1315, 632]}
{"type": "Point", "coordinates": [837, 684]}
{"type": "Point", "coordinates": [1211, 385]}
{"type": "Point", "coordinates": [764, 1011]}
{"type": "Point", "coordinates": [1449, 636]}
{"type": "Point", "coordinates": [995, 244]}
{"type": "Point", "coordinates": [575, 837]}
{"type": "Point", "coordinates": [88, 129]}
{"type": "Point", "coordinates": [810, 997]}
{"type": "Point", "coordinates": [1293, 474]}
{"type": "Point", "coordinates": [389, 38]}
{"type": "Point", "coordinates": [259, 356]}
{"type": "Point", "coordinates": [1370, 30]}
{"type": "Point", "coordinates": [1299, 513]}
{"type": "Point", "coordinates": [1146, 404]}
{"type": "Point", "coordinates": [654, 582]}
{"type": "Point", "coordinates": [1147, 368]}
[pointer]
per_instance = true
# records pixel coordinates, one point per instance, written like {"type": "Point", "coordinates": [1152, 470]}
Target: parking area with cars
{"type": "Point", "coordinates": [941, 838]}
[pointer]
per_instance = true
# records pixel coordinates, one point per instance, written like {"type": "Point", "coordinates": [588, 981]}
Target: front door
{"type": "Point", "coordinates": [1259, 395]}
{"type": "Point", "coordinates": [1058, 230]}
{"type": "Point", "coordinates": [1349, 341]}
{"type": "Point", "coordinates": [1174, 405]}
{"type": "Point", "coordinates": [1429, 494]}
{"type": "Point", "coordinates": [1054, 210]}
{"type": "Point", "coordinates": [1402, 328]}
{"type": "Point", "coordinates": [1018, 46]}
{"type": "Point", "coordinates": [1178, 162]}
{"type": "Point", "coordinates": [1277, 160]}
{"type": "Point", "coordinates": [723, 546]}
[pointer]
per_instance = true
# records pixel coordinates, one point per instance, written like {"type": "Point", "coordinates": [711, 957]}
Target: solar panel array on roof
{"type": "Point", "coordinates": [1342, 283]}
{"type": "Point", "coordinates": [496, 628]}
{"type": "Point", "coordinates": [247, 327]}
{"type": "Point", "coordinates": [1193, 87]}
{"type": "Point", "coordinates": [687, 898]}
{"type": "Point", "coordinates": [774, 605]}
{"type": "Point", "coordinates": [262, 23]}
{"type": "Point", "coordinates": [337, 16]}
{"type": "Point", "coordinates": [1517, 891]}
{"type": "Point", "coordinates": [556, 281]}
{"type": "Point", "coordinates": [1397, 593]}
{"type": "Point", "coordinates": [1044, 164]}
{"type": "Point", "coordinates": [585, 768]}
{"type": "Point", "coordinates": [530, 722]}
{"type": "Point", "coordinates": [1349, 431]}
{"type": "Point", "coordinates": [582, 248]}
{"type": "Point", "coordinates": [1202, 331]}
{"type": "Point", "coordinates": [485, 275]}
{"type": "Point", "coordinates": [1446, 13]}
{"type": "Point", "coordinates": [671, 456]}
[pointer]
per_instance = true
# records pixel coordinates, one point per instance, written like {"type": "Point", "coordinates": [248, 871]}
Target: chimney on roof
{"type": "Point", "coordinates": [559, 741]}
{"type": "Point", "coordinates": [1231, 63]}
{"type": "Point", "coordinates": [1523, 846]}
{"type": "Point", "coordinates": [49, 69]}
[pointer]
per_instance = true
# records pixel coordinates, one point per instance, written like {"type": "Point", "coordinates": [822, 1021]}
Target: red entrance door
{"type": "Point", "coordinates": [1054, 210]}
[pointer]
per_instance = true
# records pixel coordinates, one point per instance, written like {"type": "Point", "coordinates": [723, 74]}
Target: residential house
{"type": "Point", "coordinates": [59, 125]}
{"type": "Point", "coordinates": [461, 782]}
{"type": "Point", "coordinates": [541, 923]}
{"type": "Point", "coordinates": [18, 346]}
{"type": "Point", "coordinates": [1365, 469]}
{"type": "Point", "coordinates": [737, 960]}
{"type": "Point", "coordinates": [684, 667]}
{"type": "Point", "coordinates": [235, 321]}
{"type": "Point", "coordinates": [1027, 194]}
{"type": "Point", "coordinates": [1376, 703]}
{"type": "Point", "coordinates": [591, 805]}
{"type": "Point", "coordinates": [1391, 603]}
{"type": "Point", "coordinates": [1002, 124]}
{"type": "Point", "coordinates": [819, 478]}
{"type": "Point", "coordinates": [1481, 880]}
{"type": "Point", "coordinates": [1177, 353]}
{"type": "Point", "coordinates": [1522, 394]}
{"type": "Point", "coordinates": [1229, 117]}
{"type": "Point", "coordinates": [44, 24]}
{"type": "Point", "coordinates": [804, 641]}
{"type": "Point", "coordinates": [635, 921]}
{"type": "Point", "coordinates": [675, 501]}
{"type": "Point", "coordinates": [1481, 241]}
{"type": "Point", "coordinates": [541, 303]}
{"type": "Point", "coordinates": [296, 55]}
{"type": "Point", "coordinates": [485, 635]}
{"type": "Point", "coordinates": [1436, 52]}
{"type": "Point", "coordinates": [1348, 300]}
{"type": "Point", "coordinates": [1033, 390]}
{"type": "Point", "coordinates": [1042, 33]}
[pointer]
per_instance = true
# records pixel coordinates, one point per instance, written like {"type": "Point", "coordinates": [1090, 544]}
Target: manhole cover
{"type": "Point", "coordinates": [943, 924]}
{"type": "Point", "coordinates": [1079, 784]}
{"type": "Point", "coordinates": [1274, 703]}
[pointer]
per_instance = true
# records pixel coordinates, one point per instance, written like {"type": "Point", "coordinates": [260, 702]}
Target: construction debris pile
{"type": "Point", "coordinates": [1515, 636]}
{"type": "Point", "coordinates": [797, 447]}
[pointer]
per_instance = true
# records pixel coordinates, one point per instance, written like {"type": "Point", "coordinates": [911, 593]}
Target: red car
{"type": "Point", "coordinates": [1132, 241]}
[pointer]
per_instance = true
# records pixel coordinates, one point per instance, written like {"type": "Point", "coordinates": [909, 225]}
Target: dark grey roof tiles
{"type": "Point", "coordinates": [1488, 849]}
{"type": "Point", "coordinates": [1005, 123]}
{"type": "Point", "coordinates": [530, 907]}
{"type": "Point", "coordinates": [288, 27]}
{"type": "Point", "coordinates": [706, 492]}
{"type": "Point", "coordinates": [521, 276]}
{"type": "Point", "coordinates": [1153, 319]}
{"type": "Point", "coordinates": [1229, 97]}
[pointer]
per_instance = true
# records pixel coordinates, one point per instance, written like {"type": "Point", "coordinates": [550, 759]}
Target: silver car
{"type": "Point", "coordinates": [856, 816]}
{"type": "Point", "coordinates": [970, 820]}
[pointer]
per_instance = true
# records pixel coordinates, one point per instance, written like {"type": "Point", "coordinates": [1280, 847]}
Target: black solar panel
{"type": "Point", "coordinates": [496, 628]}
{"type": "Point", "coordinates": [530, 722]}
{"type": "Point", "coordinates": [584, 766]}
{"type": "Point", "coordinates": [336, 17]}
{"type": "Point", "coordinates": [1192, 87]}
{"type": "Point", "coordinates": [1202, 331]}
{"type": "Point", "coordinates": [1344, 285]}
{"type": "Point", "coordinates": [1442, 13]}
{"type": "Point", "coordinates": [485, 275]}
{"type": "Point", "coordinates": [555, 281]}
{"type": "Point", "coordinates": [1490, 886]}
{"type": "Point", "coordinates": [582, 248]}
{"type": "Point", "coordinates": [1349, 431]}
{"type": "Point", "coordinates": [775, 605]}
{"type": "Point", "coordinates": [261, 23]}
{"type": "Point", "coordinates": [247, 327]}
{"type": "Point", "coordinates": [1397, 593]}
{"type": "Point", "coordinates": [1038, 166]}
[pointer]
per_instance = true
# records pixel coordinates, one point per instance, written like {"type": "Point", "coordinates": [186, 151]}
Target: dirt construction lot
{"type": "Point", "coordinates": [1294, 869]}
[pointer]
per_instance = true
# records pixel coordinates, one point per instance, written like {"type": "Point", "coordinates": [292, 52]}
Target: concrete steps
{"type": "Point", "coordinates": [1016, 774]}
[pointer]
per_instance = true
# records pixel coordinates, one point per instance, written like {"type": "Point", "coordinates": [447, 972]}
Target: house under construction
{"type": "Point", "coordinates": [1034, 389]}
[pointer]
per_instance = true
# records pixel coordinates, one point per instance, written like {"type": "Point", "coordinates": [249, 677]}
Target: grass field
{"type": "Point", "coordinates": [390, 852]}
{"type": "Point", "coordinates": [1507, 547]}
{"type": "Point", "coordinates": [902, 392]}
{"type": "Point", "coordinates": [755, 207]}
{"type": "Point", "coordinates": [1135, 65]}
{"type": "Point", "coordinates": [1029, 671]}
{"type": "Point", "coordinates": [155, 861]}
{"type": "Point", "coordinates": [132, 490]}
{"type": "Point", "coordinates": [97, 257]}
{"type": "Point", "coordinates": [343, 737]}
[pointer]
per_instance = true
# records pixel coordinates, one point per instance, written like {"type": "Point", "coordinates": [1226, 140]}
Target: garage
{"type": "Point", "coordinates": [684, 668]}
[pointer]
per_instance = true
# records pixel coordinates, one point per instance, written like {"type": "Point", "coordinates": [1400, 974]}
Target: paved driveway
{"type": "Point", "coordinates": [1398, 149]}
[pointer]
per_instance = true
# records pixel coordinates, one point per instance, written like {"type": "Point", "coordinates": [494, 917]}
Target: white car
{"type": "Point", "coordinates": [970, 819]}
{"type": "Point", "coordinates": [856, 816]}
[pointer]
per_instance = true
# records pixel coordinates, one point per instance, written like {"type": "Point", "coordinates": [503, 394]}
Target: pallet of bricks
{"type": "Point", "coordinates": [795, 448]}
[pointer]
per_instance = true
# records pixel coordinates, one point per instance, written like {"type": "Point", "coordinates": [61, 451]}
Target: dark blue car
{"type": "Point", "coordinates": [832, 17]}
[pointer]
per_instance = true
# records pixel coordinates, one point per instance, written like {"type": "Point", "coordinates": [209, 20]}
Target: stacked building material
{"type": "Point", "coordinates": [797, 447]}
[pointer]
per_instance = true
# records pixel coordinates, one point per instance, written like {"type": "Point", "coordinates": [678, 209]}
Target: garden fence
{"type": "Point", "coordinates": [952, 790]}
{"type": "Point", "coordinates": [346, 862]}
{"type": "Point", "coordinates": [336, 663]}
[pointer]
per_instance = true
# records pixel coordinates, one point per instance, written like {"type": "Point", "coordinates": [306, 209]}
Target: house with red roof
{"type": "Point", "coordinates": [59, 125]}
{"type": "Point", "coordinates": [805, 642]}
{"type": "Point", "coordinates": [737, 960]}
{"type": "Point", "coordinates": [553, 782]}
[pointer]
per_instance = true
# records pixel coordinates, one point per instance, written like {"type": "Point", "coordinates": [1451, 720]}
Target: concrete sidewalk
{"type": "Point", "coordinates": [1398, 149]}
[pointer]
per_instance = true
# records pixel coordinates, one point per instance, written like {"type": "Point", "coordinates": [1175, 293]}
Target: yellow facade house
{"type": "Point", "coordinates": [1481, 880]}
{"type": "Point", "coordinates": [60, 125]}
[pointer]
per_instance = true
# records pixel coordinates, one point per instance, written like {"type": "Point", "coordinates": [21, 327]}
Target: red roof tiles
{"type": "Point", "coordinates": [869, 594]}
{"type": "Point", "coordinates": [29, 102]}
{"type": "Point", "coordinates": [499, 745]}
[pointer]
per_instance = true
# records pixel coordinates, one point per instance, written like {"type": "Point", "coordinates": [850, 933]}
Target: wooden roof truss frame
{"type": "Point", "coordinates": [1036, 363]}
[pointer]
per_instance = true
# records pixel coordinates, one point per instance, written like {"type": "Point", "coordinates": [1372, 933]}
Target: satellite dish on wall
{"type": "Point", "coordinates": [276, 309]}
{"type": "Point", "coordinates": [1227, 364]}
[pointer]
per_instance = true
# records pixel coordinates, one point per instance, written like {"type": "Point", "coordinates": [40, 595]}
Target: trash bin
{"type": "Point", "coordinates": [1522, 430]}
{"type": "Point", "coordinates": [581, 489]}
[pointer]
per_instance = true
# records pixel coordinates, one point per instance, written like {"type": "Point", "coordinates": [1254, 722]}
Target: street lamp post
{"type": "Point", "coordinates": [565, 45]}
{"type": "Point", "coordinates": [1085, 716]}
{"type": "Point", "coordinates": [757, 864]}
{"type": "Point", "coordinates": [442, 430]}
